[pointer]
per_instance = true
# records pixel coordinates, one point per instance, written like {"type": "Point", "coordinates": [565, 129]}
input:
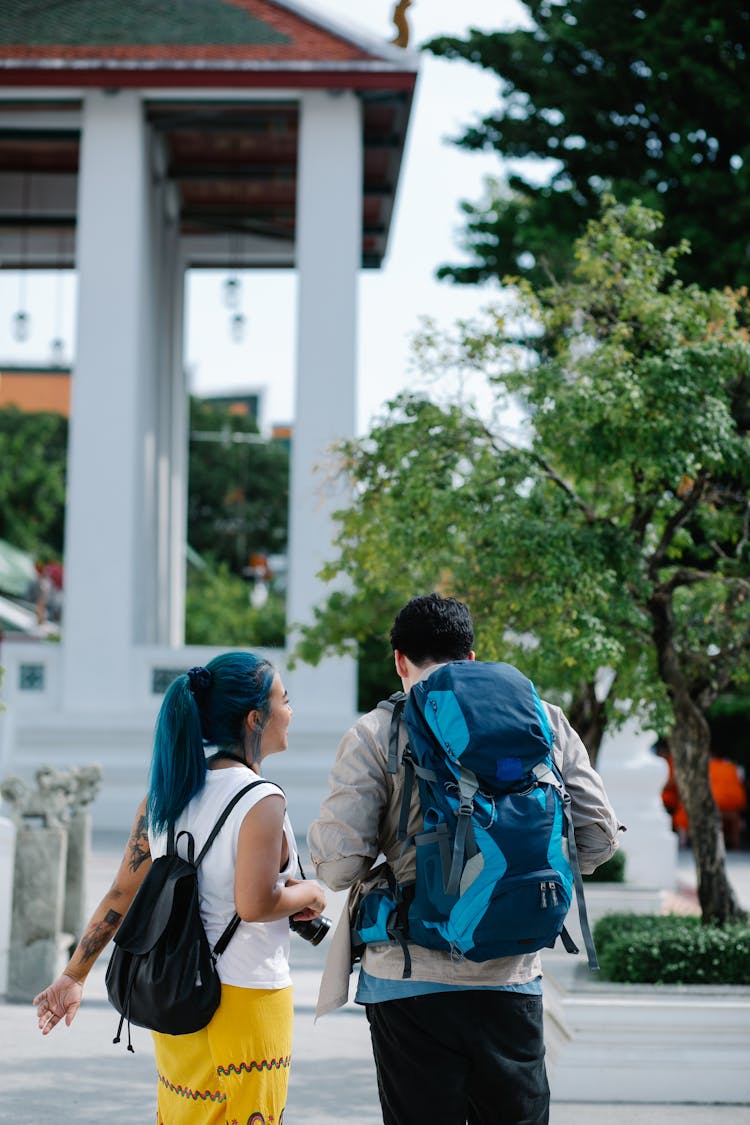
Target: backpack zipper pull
{"type": "Point", "coordinates": [543, 895]}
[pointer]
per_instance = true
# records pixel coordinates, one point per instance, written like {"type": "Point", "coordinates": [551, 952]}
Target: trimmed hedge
{"type": "Point", "coordinates": [672, 949]}
{"type": "Point", "coordinates": [611, 871]}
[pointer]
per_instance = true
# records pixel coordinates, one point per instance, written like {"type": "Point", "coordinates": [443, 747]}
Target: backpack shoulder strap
{"type": "Point", "coordinates": [231, 929]}
{"type": "Point", "coordinates": [222, 819]}
{"type": "Point", "coordinates": [551, 774]}
{"type": "Point", "coordinates": [395, 704]}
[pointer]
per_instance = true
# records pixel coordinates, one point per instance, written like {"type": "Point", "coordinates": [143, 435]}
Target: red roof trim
{"type": "Point", "coordinates": [301, 49]}
{"type": "Point", "coordinates": [210, 77]}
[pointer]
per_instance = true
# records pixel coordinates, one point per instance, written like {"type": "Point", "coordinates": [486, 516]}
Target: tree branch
{"type": "Point", "coordinates": [548, 471]}
{"type": "Point", "coordinates": [677, 520]}
{"type": "Point", "coordinates": [691, 576]}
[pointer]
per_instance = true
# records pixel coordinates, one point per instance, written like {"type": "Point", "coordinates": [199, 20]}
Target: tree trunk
{"type": "Point", "coordinates": [588, 718]}
{"type": "Point", "coordinates": [690, 742]}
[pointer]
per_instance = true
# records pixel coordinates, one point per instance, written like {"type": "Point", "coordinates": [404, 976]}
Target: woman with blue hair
{"type": "Point", "coordinates": [237, 1067]}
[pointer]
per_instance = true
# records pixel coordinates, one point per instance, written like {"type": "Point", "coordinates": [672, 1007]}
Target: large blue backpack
{"type": "Point", "coordinates": [496, 861]}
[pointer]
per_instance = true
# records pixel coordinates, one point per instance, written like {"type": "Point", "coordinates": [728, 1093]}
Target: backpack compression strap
{"type": "Point", "coordinates": [552, 776]}
{"type": "Point", "coordinates": [464, 839]}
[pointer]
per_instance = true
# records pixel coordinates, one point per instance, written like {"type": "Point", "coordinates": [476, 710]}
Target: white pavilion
{"type": "Point", "coordinates": [133, 147]}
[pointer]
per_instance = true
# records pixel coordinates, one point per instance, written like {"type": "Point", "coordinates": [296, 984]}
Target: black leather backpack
{"type": "Point", "coordinates": [162, 974]}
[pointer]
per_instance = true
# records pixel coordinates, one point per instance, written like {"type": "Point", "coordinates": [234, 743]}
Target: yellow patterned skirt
{"type": "Point", "coordinates": [233, 1072]}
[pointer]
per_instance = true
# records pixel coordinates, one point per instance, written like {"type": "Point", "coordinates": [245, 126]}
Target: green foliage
{"type": "Point", "coordinates": [630, 480]}
{"type": "Point", "coordinates": [238, 489]}
{"type": "Point", "coordinates": [610, 533]}
{"type": "Point", "coordinates": [358, 625]}
{"type": "Point", "coordinates": [33, 463]}
{"type": "Point", "coordinates": [218, 612]}
{"type": "Point", "coordinates": [672, 949]}
{"type": "Point", "coordinates": [376, 675]}
{"type": "Point", "coordinates": [429, 513]}
{"type": "Point", "coordinates": [643, 101]}
{"type": "Point", "coordinates": [611, 871]}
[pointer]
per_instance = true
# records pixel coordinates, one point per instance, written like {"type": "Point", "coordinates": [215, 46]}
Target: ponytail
{"type": "Point", "coordinates": [178, 764]}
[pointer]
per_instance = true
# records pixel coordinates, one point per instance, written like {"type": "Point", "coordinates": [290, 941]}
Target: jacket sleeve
{"type": "Point", "coordinates": [344, 840]}
{"type": "Point", "coordinates": [594, 820]}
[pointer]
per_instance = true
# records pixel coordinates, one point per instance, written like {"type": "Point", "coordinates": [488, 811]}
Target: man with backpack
{"type": "Point", "coordinates": [432, 845]}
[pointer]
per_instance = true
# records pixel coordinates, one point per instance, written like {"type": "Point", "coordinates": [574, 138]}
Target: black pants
{"type": "Point", "coordinates": [448, 1058]}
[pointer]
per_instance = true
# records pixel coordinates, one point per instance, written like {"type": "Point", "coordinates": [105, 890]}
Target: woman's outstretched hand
{"type": "Point", "coordinates": [58, 1001]}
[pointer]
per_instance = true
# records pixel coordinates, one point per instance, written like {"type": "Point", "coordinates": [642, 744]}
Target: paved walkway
{"type": "Point", "coordinates": [76, 1076]}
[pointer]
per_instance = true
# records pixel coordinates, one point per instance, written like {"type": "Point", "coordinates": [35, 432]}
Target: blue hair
{"type": "Point", "coordinates": [189, 720]}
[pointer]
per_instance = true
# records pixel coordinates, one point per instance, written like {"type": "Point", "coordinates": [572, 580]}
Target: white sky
{"type": "Point", "coordinates": [435, 175]}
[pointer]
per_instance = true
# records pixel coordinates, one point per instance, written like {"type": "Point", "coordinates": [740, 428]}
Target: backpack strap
{"type": "Point", "coordinates": [226, 937]}
{"type": "Point", "coordinates": [552, 776]}
{"type": "Point", "coordinates": [395, 704]}
{"type": "Point", "coordinates": [231, 929]}
{"type": "Point", "coordinates": [171, 845]}
{"type": "Point", "coordinates": [222, 819]}
{"type": "Point", "coordinates": [190, 845]}
{"type": "Point", "coordinates": [464, 838]}
{"type": "Point", "coordinates": [402, 833]}
{"type": "Point", "coordinates": [588, 939]}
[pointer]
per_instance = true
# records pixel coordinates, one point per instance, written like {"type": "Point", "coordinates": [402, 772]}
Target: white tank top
{"type": "Point", "coordinates": [258, 954]}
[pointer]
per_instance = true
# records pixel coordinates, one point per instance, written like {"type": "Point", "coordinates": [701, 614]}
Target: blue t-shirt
{"type": "Point", "coordinates": [374, 990]}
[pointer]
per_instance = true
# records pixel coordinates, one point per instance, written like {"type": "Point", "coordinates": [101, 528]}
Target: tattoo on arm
{"type": "Point", "coordinates": [138, 845]}
{"type": "Point", "coordinates": [97, 936]}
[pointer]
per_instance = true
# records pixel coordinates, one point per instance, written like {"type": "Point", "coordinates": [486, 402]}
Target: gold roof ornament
{"type": "Point", "coordinates": [401, 38]}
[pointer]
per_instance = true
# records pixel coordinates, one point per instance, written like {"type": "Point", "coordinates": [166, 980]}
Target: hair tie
{"type": "Point", "coordinates": [200, 680]}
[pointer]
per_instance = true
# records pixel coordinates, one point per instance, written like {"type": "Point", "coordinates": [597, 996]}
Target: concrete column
{"type": "Point", "coordinates": [7, 859]}
{"type": "Point", "coordinates": [84, 785]}
{"type": "Point", "coordinates": [329, 241]}
{"type": "Point", "coordinates": [178, 462]}
{"type": "Point", "coordinates": [171, 464]}
{"type": "Point", "coordinates": [109, 556]}
{"type": "Point", "coordinates": [38, 948]}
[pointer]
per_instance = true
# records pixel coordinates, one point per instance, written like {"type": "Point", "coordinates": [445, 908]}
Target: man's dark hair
{"type": "Point", "coordinates": [432, 630]}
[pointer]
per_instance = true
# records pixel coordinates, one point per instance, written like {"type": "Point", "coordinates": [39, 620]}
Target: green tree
{"type": "Point", "coordinates": [218, 612]}
{"type": "Point", "coordinates": [644, 100]}
{"type": "Point", "coordinates": [238, 487]}
{"type": "Point", "coordinates": [33, 463]}
{"type": "Point", "coordinates": [615, 537]}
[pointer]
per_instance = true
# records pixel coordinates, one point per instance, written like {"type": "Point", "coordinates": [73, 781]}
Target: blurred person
{"type": "Point", "coordinates": [727, 783]}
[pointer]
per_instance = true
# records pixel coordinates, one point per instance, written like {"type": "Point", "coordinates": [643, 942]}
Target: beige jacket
{"type": "Point", "coordinates": [358, 825]}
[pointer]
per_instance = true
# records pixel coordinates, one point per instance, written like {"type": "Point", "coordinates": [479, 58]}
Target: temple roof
{"type": "Point", "coordinates": [200, 36]}
{"type": "Point", "coordinates": [231, 153]}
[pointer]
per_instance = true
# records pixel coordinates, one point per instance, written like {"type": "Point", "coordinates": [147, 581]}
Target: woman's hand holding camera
{"type": "Point", "coordinates": [310, 923]}
{"type": "Point", "coordinates": [317, 897]}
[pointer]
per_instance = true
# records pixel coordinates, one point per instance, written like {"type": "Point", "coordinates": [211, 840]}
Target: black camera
{"type": "Point", "coordinates": [314, 930]}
